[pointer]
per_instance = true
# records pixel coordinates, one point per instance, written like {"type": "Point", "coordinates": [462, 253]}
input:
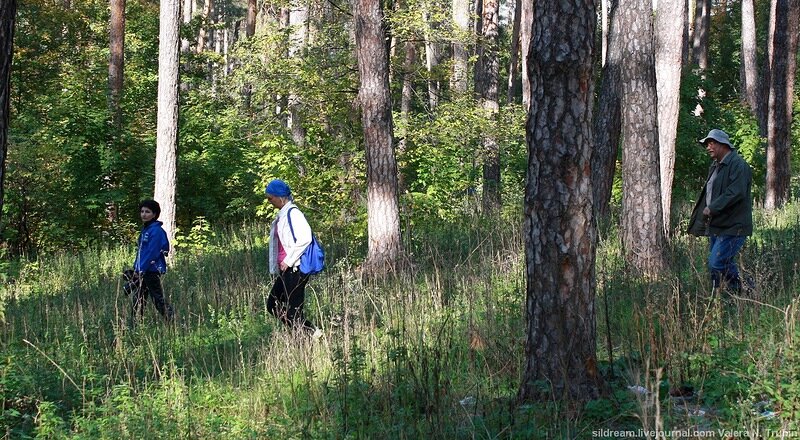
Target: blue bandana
{"type": "Point", "coordinates": [278, 188]}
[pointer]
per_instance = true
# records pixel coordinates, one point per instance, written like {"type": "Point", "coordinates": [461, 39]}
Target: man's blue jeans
{"type": "Point", "coordinates": [722, 260]}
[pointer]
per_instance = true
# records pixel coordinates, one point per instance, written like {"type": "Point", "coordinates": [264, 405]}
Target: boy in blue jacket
{"type": "Point", "coordinates": [150, 263]}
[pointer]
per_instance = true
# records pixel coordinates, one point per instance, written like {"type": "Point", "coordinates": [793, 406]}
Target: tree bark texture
{"type": "Point", "coordinates": [608, 118]}
{"type": "Point", "coordinates": [642, 220]}
{"type": "Point", "coordinates": [669, 49]}
{"type": "Point", "coordinates": [525, 34]}
{"type": "Point", "coordinates": [749, 76]}
{"type": "Point", "coordinates": [383, 218]}
{"type": "Point", "coordinates": [702, 26]}
{"type": "Point", "coordinates": [560, 235]}
{"type": "Point", "coordinates": [513, 64]}
{"type": "Point", "coordinates": [167, 123]}
{"type": "Point", "coordinates": [488, 84]}
{"type": "Point", "coordinates": [8, 16]}
{"type": "Point", "coordinates": [460, 79]}
{"type": "Point", "coordinates": [782, 58]}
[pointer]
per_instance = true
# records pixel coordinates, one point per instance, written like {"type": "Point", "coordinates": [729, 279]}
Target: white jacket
{"type": "Point", "coordinates": [294, 249]}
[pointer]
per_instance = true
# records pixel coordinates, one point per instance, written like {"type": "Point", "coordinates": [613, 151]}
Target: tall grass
{"type": "Point", "coordinates": [433, 352]}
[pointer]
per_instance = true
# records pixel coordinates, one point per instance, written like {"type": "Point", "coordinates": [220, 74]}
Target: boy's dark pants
{"type": "Point", "coordinates": [151, 286]}
{"type": "Point", "coordinates": [286, 298]}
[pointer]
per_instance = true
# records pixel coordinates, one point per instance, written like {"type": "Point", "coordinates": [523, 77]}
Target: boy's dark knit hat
{"type": "Point", "coordinates": [151, 205]}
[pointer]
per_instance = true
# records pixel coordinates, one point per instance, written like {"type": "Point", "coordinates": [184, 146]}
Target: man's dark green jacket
{"type": "Point", "coordinates": [731, 201]}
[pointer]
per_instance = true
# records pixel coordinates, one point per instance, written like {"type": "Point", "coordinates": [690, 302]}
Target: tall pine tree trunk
{"type": "Point", "coordinates": [8, 16]}
{"type": "Point", "coordinates": [487, 82]}
{"type": "Point", "coordinates": [560, 236]}
{"type": "Point", "coordinates": [513, 64]}
{"type": "Point", "coordinates": [669, 49]}
{"type": "Point", "coordinates": [642, 218]}
{"type": "Point", "coordinates": [702, 27]}
{"type": "Point", "coordinates": [250, 23]}
{"type": "Point", "coordinates": [460, 79]}
{"type": "Point", "coordinates": [749, 73]}
{"type": "Point", "coordinates": [782, 58]}
{"type": "Point", "coordinates": [525, 36]}
{"type": "Point", "coordinates": [383, 215]}
{"type": "Point", "coordinates": [407, 94]}
{"type": "Point", "coordinates": [433, 55]}
{"type": "Point", "coordinates": [167, 123]}
{"type": "Point", "coordinates": [608, 117]}
{"type": "Point", "coordinates": [116, 69]}
{"type": "Point", "coordinates": [298, 21]}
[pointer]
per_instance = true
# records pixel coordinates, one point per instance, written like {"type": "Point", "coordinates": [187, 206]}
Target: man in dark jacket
{"type": "Point", "coordinates": [724, 210]}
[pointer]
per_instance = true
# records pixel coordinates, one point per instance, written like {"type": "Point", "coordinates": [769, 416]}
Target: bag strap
{"type": "Point", "coordinates": [288, 215]}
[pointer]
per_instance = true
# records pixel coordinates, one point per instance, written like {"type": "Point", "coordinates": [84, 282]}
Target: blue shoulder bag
{"type": "Point", "coordinates": [313, 259]}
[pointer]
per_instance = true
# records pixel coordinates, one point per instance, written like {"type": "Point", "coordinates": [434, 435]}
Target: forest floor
{"type": "Point", "coordinates": [436, 352]}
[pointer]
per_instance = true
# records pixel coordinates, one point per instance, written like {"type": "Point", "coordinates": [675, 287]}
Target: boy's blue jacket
{"type": "Point", "coordinates": [153, 246]}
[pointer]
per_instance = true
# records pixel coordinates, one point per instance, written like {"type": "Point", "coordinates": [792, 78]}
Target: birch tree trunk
{"type": "Point", "coordinates": [642, 218]}
{"type": "Point", "coordinates": [560, 236]}
{"type": "Point", "coordinates": [383, 215]}
{"type": "Point", "coordinates": [669, 49]}
{"type": "Point", "coordinates": [167, 123]}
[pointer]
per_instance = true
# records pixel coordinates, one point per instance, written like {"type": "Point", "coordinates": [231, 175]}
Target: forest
{"type": "Point", "coordinates": [503, 190]}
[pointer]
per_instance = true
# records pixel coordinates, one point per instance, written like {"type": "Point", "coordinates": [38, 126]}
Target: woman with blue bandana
{"type": "Point", "coordinates": [289, 238]}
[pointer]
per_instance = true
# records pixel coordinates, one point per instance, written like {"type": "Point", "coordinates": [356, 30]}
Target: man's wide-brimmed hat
{"type": "Point", "coordinates": [719, 136]}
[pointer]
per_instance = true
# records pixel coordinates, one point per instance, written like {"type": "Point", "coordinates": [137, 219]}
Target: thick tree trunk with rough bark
{"type": "Point", "coordinates": [642, 219]}
{"type": "Point", "coordinates": [608, 117]}
{"type": "Point", "coordinates": [749, 71]}
{"type": "Point", "coordinates": [167, 123]}
{"type": "Point", "coordinates": [669, 49]}
{"type": "Point", "coordinates": [383, 218]}
{"type": "Point", "coordinates": [8, 16]}
{"type": "Point", "coordinates": [560, 235]}
{"type": "Point", "coordinates": [487, 82]}
{"type": "Point", "coordinates": [460, 79]}
{"type": "Point", "coordinates": [782, 59]}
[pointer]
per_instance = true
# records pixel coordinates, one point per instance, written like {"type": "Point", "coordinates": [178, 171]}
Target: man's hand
{"type": "Point", "coordinates": [283, 266]}
{"type": "Point", "coordinates": [707, 212]}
